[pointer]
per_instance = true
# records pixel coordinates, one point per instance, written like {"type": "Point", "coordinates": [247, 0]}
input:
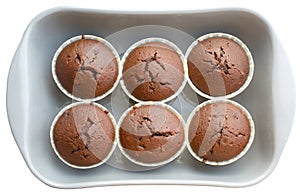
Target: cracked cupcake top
{"type": "Point", "coordinates": [218, 66]}
{"type": "Point", "coordinates": [84, 135]}
{"type": "Point", "coordinates": [219, 132]}
{"type": "Point", "coordinates": [153, 72]}
{"type": "Point", "coordinates": [87, 68]}
{"type": "Point", "coordinates": [151, 134]}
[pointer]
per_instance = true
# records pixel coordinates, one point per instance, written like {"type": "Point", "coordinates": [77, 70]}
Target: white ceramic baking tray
{"type": "Point", "coordinates": [33, 100]}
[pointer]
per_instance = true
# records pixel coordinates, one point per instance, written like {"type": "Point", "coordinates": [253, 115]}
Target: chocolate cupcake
{"type": "Point", "coordinates": [219, 65]}
{"type": "Point", "coordinates": [153, 70]}
{"type": "Point", "coordinates": [83, 135]}
{"type": "Point", "coordinates": [151, 134]}
{"type": "Point", "coordinates": [86, 68]}
{"type": "Point", "coordinates": [219, 132]}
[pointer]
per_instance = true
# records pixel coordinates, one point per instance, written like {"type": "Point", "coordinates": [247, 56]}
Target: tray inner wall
{"type": "Point", "coordinates": [51, 31]}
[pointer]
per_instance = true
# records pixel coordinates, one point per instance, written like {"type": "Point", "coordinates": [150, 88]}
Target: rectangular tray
{"type": "Point", "coordinates": [33, 100]}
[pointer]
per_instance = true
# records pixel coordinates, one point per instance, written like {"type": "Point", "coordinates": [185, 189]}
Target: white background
{"type": "Point", "coordinates": [15, 15]}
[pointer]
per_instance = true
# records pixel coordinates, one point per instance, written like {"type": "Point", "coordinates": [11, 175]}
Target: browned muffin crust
{"type": "Point", "coordinates": [219, 132]}
{"type": "Point", "coordinates": [151, 134]}
{"type": "Point", "coordinates": [218, 66]}
{"type": "Point", "coordinates": [87, 68]}
{"type": "Point", "coordinates": [84, 135]}
{"type": "Point", "coordinates": [153, 72]}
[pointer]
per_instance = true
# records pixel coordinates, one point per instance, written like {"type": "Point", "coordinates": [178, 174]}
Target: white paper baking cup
{"type": "Point", "coordinates": [250, 61]}
{"type": "Point", "coordinates": [158, 164]}
{"type": "Point", "coordinates": [74, 105]}
{"type": "Point", "coordinates": [159, 40]}
{"type": "Point", "coordinates": [68, 42]}
{"type": "Point", "coordinates": [242, 153]}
